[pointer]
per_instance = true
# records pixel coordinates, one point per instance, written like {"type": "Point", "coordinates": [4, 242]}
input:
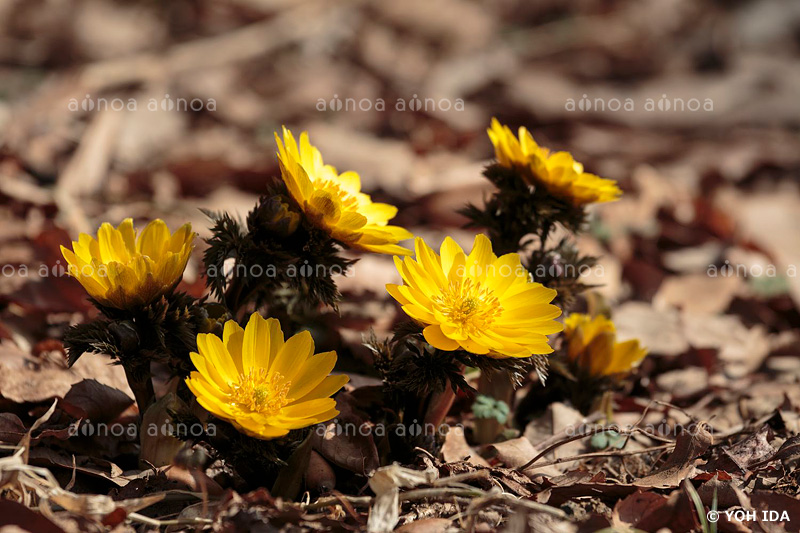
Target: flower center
{"type": "Point", "coordinates": [260, 392]}
{"type": "Point", "coordinates": [467, 305]}
{"type": "Point", "coordinates": [348, 201]}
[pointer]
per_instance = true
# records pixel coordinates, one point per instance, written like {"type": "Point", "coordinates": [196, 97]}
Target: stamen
{"type": "Point", "coordinates": [468, 306]}
{"type": "Point", "coordinates": [348, 200]}
{"type": "Point", "coordinates": [259, 392]}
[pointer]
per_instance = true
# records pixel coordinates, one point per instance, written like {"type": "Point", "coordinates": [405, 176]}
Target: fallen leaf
{"type": "Point", "coordinates": [158, 446]}
{"type": "Point", "coordinates": [89, 399]}
{"type": "Point", "coordinates": [726, 493]}
{"type": "Point", "coordinates": [634, 508]}
{"type": "Point", "coordinates": [695, 259]}
{"type": "Point", "coordinates": [778, 504]}
{"type": "Point", "coordinates": [771, 219]}
{"type": "Point", "coordinates": [750, 450]}
{"type": "Point", "coordinates": [789, 450]}
{"type": "Point", "coordinates": [741, 349]}
{"type": "Point", "coordinates": [347, 440]}
{"type": "Point", "coordinates": [516, 452]}
{"type": "Point", "coordinates": [683, 382]}
{"type": "Point", "coordinates": [386, 483]}
{"type": "Point", "coordinates": [290, 478]}
{"type": "Point", "coordinates": [659, 330]}
{"type": "Point", "coordinates": [100, 505]}
{"type": "Point", "coordinates": [455, 448]}
{"type": "Point", "coordinates": [24, 378]}
{"type": "Point", "coordinates": [698, 294]}
{"type": "Point", "coordinates": [689, 446]}
{"type": "Point", "coordinates": [194, 480]}
{"type": "Point", "coordinates": [319, 476]}
{"type": "Point", "coordinates": [92, 466]}
{"type": "Point", "coordinates": [426, 525]}
{"type": "Point", "coordinates": [13, 514]}
{"type": "Point", "coordinates": [677, 514]}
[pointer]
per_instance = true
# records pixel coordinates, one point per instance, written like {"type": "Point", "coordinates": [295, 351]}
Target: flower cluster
{"type": "Point", "coordinates": [251, 377]}
{"type": "Point", "coordinates": [481, 308]}
{"type": "Point", "coordinates": [536, 190]}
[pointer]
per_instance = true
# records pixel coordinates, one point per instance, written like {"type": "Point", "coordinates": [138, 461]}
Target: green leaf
{"type": "Point", "coordinates": [488, 407]}
{"type": "Point", "coordinates": [607, 439]}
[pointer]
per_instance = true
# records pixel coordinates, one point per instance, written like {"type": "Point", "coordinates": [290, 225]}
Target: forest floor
{"type": "Point", "coordinates": [112, 110]}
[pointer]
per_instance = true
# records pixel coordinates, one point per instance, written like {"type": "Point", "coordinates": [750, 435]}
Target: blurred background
{"type": "Point", "coordinates": [144, 109]}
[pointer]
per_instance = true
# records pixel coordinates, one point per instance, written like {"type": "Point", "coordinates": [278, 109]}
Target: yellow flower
{"type": "Point", "coordinates": [592, 346]}
{"type": "Point", "coordinates": [476, 302]}
{"type": "Point", "coordinates": [334, 202]}
{"type": "Point", "coordinates": [120, 270]}
{"type": "Point", "coordinates": [261, 384]}
{"type": "Point", "coordinates": [557, 172]}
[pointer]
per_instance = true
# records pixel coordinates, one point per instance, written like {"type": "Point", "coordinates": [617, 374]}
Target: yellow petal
{"type": "Point", "coordinates": [312, 372]}
{"type": "Point", "coordinates": [153, 239]}
{"type": "Point", "coordinates": [437, 339]}
{"type": "Point", "coordinates": [328, 387]}
{"type": "Point", "coordinates": [233, 338]}
{"type": "Point", "coordinates": [214, 351]}
{"type": "Point", "coordinates": [128, 235]}
{"type": "Point", "coordinates": [480, 257]}
{"type": "Point", "coordinates": [256, 343]}
{"type": "Point", "coordinates": [209, 371]}
{"type": "Point", "coordinates": [293, 354]}
{"type": "Point", "coordinates": [450, 250]}
{"type": "Point", "coordinates": [308, 408]}
{"type": "Point", "coordinates": [112, 245]}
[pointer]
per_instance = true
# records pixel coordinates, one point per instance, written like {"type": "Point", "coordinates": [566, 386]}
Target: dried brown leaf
{"type": "Point", "coordinates": [689, 446]}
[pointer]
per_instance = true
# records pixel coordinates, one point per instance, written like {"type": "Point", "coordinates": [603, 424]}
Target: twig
{"type": "Point", "coordinates": [441, 492]}
{"type": "Point", "coordinates": [172, 522]}
{"type": "Point", "coordinates": [361, 501]}
{"type": "Point", "coordinates": [591, 432]}
{"type": "Point", "coordinates": [459, 478]}
{"type": "Point", "coordinates": [366, 501]}
{"type": "Point", "coordinates": [560, 443]}
{"type": "Point", "coordinates": [647, 410]}
{"type": "Point", "coordinates": [592, 419]}
{"type": "Point", "coordinates": [347, 505]}
{"type": "Point", "coordinates": [616, 453]}
{"type": "Point", "coordinates": [504, 498]}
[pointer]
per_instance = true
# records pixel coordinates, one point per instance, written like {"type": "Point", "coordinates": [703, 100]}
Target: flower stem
{"type": "Point", "coordinates": [141, 384]}
{"type": "Point", "coordinates": [499, 386]}
{"type": "Point", "coordinates": [439, 405]}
